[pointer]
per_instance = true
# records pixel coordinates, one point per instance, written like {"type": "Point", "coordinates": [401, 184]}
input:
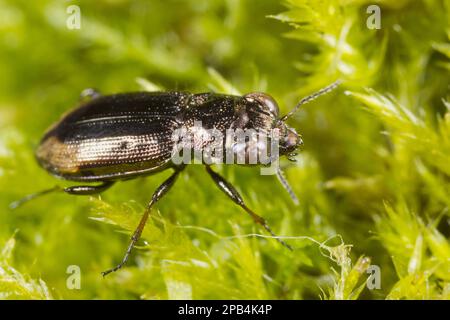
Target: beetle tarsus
{"type": "Point", "coordinates": [283, 243]}
{"type": "Point", "coordinates": [20, 202]}
{"type": "Point", "coordinates": [231, 192]}
{"type": "Point", "coordinates": [261, 221]}
{"type": "Point", "coordinates": [157, 195]}
{"type": "Point", "coordinates": [121, 264]}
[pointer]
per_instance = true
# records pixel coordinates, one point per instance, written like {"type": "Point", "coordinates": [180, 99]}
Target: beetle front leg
{"type": "Point", "coordinates": [157, 195]}
{"type": "Point", "coordinates": [231, 192]}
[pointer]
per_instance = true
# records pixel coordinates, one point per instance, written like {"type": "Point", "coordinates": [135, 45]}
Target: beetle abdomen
{"type": "Point", "coordinates": [113, 137]}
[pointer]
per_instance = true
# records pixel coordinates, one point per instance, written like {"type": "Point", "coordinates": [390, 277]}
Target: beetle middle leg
{"type": "Point", "coordinates": [157, 195]}
{"type": "Point", "coordinates": [231, 192]}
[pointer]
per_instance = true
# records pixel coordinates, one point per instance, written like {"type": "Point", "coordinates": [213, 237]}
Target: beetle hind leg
{"type": "Point", "coordinates": [231, 192]}
{"type": "Point", "coordinates": [75, 190]}
{"type": "Point", "coordinates": [157, 195]}
{"type": "Point", "coordinates": [88, 190]}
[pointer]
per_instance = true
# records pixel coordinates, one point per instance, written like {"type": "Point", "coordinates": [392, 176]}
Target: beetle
{"type": "Point", "coordinates": [127, 135]}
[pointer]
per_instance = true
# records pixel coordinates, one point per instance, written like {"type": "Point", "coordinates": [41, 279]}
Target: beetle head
{"type": "Point", "coordinates": [289, 139]}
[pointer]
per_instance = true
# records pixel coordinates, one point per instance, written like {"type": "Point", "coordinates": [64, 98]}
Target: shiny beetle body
{"type": "Point", "coordinates": [123, 136]}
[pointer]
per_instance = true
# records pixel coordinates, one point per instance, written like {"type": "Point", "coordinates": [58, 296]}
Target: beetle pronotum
{"type": "Point", "coordinates": [123, 136]}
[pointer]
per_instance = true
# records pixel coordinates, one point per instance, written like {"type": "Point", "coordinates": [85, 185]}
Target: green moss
{"type": "Point", "coordinates": [372, 178]}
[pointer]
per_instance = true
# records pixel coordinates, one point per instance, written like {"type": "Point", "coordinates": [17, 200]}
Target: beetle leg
{"type": "Point", "coordinates": [231, 192]}
{"type": "Point", "coordinates": [90, 93]}
{"type": "Point", "coordinates": [158, 194]}
{"type": "Point", "coordinates": [76, 190]}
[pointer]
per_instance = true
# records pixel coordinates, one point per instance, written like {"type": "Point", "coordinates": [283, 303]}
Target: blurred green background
{"type": "Point", "coordinates": [372, 177]}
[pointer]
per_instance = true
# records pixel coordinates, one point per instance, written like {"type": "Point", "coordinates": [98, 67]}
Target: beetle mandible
{"type": "Point", "coordinates": [123, 136]}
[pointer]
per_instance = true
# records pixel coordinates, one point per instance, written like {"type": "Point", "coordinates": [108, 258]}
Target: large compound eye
{"type": "Point", "coordinates": [265, 101]}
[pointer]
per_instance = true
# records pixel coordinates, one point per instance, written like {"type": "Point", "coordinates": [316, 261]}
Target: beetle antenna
{"type": "Point", "coordinates": [312, 97]}
{"type": "Point", "coordinates": [286, 186]}
{"type": "Point", "coordinates": [18, 203]}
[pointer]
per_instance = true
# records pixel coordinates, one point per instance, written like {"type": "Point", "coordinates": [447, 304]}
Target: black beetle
{"type": "Point", "coordinates": [123, 136]}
